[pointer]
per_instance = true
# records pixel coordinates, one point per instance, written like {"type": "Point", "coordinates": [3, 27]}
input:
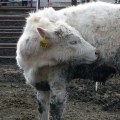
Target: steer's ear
{"type": "Point", "coordinates": [42, 32]}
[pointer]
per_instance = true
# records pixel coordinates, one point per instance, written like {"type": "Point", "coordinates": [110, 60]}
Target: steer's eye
{"type": "Point", "coordinates": [73, 42]}
{"type": "Point", "coordinates": [57, 33]}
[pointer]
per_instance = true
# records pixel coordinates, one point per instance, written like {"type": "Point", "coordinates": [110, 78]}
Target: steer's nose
{"type": "Point", "coordinates": [97, 53]}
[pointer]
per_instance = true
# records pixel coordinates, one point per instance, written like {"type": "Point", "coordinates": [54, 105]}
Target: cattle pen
{"type": "Point", "coordinates": [12, 20]}
{"type": "Point", "coordinates": [10, 29]}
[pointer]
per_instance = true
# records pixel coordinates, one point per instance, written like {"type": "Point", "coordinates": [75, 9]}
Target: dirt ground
{"type": "Point", "coordinates": [18, 100]}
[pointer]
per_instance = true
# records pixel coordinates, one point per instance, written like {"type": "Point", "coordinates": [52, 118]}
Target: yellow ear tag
{"type": "Point", "coordinates": [44, 42]}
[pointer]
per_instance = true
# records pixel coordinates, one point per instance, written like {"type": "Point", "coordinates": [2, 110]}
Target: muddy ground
{"type": "Point", "coordinates": [18, 102]}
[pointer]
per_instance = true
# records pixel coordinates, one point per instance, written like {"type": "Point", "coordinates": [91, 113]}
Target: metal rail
{"type": "Point", "coordinates": [9, 34]}
{"type": "Point", "coordinates": [7, 46]}
{"type": "Point", "coordinates": [11, 27]}
{"type": "Point", "coordinates": [12, 2]}
{"type": "Point", "coordinates": [7, 57]}
{"type": "Point", "coordinates": [13, 20]}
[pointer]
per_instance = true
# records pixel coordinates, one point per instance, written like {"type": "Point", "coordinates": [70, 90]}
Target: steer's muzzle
{"type": "Point", "coordinates": [97, 53]}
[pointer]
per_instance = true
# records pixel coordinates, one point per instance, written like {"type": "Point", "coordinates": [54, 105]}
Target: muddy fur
{"type": "Point", "coordinates": [96, 71]}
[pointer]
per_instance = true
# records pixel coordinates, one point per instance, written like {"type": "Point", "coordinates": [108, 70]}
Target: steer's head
{"type": "Point", "coordinates": [63, 43]}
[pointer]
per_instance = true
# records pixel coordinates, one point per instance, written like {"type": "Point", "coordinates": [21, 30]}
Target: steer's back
{"type": "Point", "coordinates": [99, 24]}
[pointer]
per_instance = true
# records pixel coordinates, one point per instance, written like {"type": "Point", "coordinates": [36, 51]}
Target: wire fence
{"type": "Point", "coordinates": [26, 3]}
{"type": "Point", "coordinates": [42, 3]}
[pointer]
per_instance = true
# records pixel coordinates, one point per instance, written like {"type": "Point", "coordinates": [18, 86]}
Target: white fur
{"type": "Point", "coordinates": [97, 22]}
{"type": "Point", "coordinates": [39, 64]}
{"type": "Point", "coordinates": [30, 55]}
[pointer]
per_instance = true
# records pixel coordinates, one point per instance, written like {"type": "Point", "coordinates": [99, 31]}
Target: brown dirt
{"type": "Point", "coordinates": [18, 100]}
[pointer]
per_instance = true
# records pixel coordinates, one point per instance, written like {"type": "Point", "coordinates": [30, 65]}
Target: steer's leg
{"type": "Point", "coordinates": [58, 98]}
{"type": "Point", "coordinates": [44, 104]}
{"type": "Point", "coordinates": [43, 96]}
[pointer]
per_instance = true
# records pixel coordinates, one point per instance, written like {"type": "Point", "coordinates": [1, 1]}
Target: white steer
{"type": "Point", "coordinates": [99, 24]}
{"type": "Point", "coordinates": [44, 52]}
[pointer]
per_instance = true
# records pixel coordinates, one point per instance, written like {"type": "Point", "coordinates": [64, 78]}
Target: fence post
{"type": "Point", "coordinates": [73, 2]}
{"type": "Point", "coordinates": [31, 2]}
{"type": "Point", "coordinates": [38, 5]}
